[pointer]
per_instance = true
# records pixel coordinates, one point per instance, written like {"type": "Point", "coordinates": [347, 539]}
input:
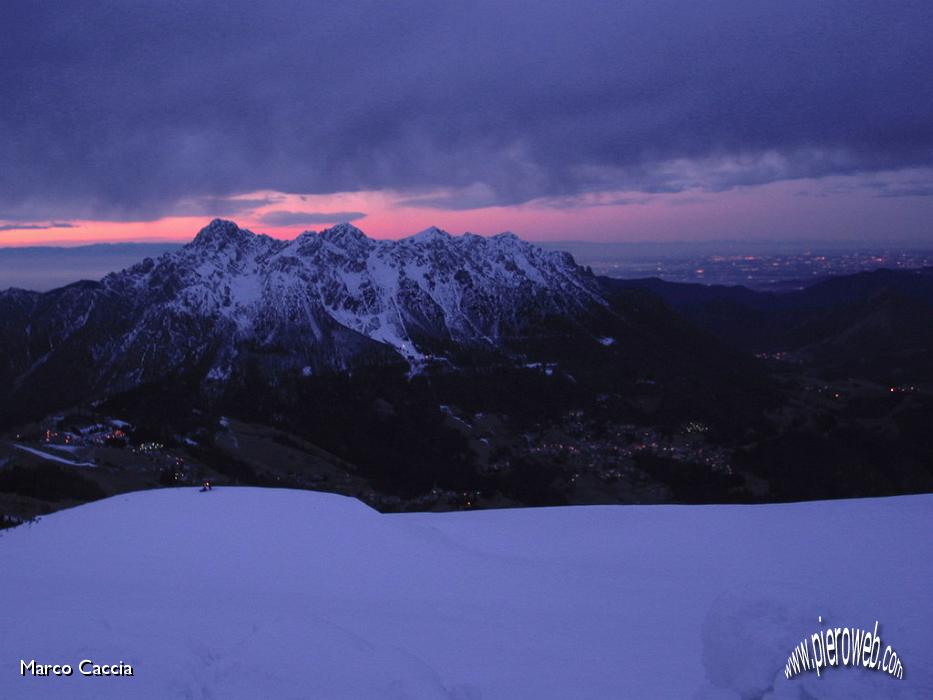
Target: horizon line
{"type": "Point", "coordinates": [835, 242]}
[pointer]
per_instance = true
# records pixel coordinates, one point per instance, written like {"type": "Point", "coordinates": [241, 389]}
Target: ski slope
{"type": "Point", "coordinates": [263, 593]}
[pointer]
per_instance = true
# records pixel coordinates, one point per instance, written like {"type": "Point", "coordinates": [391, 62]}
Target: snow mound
{"type": "Point", "coordinates": [249, 593]}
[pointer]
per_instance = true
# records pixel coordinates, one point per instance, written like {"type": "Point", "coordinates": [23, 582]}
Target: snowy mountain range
{"type": "Point", "coordinates": [323, 301]}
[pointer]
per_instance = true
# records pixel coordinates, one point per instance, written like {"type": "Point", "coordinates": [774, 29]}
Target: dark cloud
{"type": "Point", "coordinates": [475, 196]}
{"type": "Point", "coordinates": [685, 201]}
{"type": "Point", "coordinates": [131, 110]}
{"type": "Point", "coordinates": [308, 218]}
{"type": "Point", "coordinates": [220, 206]}
{"type": "Point", "coordinates": [895, 185]}
{"type": "Point", "coordinates": [628, 201]}
{"type": "Point", "coordinates": [917, 191]}
{"type": "Point", "coordinates": [36, 227]}
{"type": "Point", "coordinates": [577, 201]}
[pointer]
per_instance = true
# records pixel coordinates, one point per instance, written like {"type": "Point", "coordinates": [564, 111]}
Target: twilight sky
{"type": "Point", "coordinates": [618, 120]}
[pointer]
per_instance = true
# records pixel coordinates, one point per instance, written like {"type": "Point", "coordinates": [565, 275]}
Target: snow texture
{"type": "Point", "coordinates": [261, 593]}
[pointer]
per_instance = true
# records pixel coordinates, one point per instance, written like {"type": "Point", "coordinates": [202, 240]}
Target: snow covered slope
{"type": "Point", "coordinates": [253, 593]}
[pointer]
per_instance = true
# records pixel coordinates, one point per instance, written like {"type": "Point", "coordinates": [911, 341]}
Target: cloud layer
{"type": "Point", "coordinates": [308, 218]}
{"type": "Point", "coordinates": [34, 227]}
{"type": "Point", "coordinates": [133, 111]}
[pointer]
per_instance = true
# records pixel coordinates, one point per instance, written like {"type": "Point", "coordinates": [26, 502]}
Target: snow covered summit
{"type": "Point", "coordinates": [261, 593]}
{"type": "Point", "coordinates": [329, 300]}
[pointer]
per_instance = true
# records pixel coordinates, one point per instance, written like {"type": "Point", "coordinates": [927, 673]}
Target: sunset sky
{"type": "Point", "coordinates": [609, 121]}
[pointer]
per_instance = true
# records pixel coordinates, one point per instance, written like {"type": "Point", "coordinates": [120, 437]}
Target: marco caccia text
{"type": "Point", "coordinates": [86, 667]}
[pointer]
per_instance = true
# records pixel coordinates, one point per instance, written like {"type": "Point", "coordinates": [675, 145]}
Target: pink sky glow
{"type": "Point", "coordinates": [833, 208]}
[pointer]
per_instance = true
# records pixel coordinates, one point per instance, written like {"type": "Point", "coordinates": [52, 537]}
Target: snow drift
{"type": "Point", "coordinates": [256, 593]}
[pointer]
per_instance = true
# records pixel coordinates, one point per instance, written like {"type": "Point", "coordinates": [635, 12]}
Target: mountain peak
{"type": "Point", "coordinates": [430, 234]}
{"type": "Point", "coordinates": [221, 231]}
{"type": "Point", "coordinates": [343, 233]}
